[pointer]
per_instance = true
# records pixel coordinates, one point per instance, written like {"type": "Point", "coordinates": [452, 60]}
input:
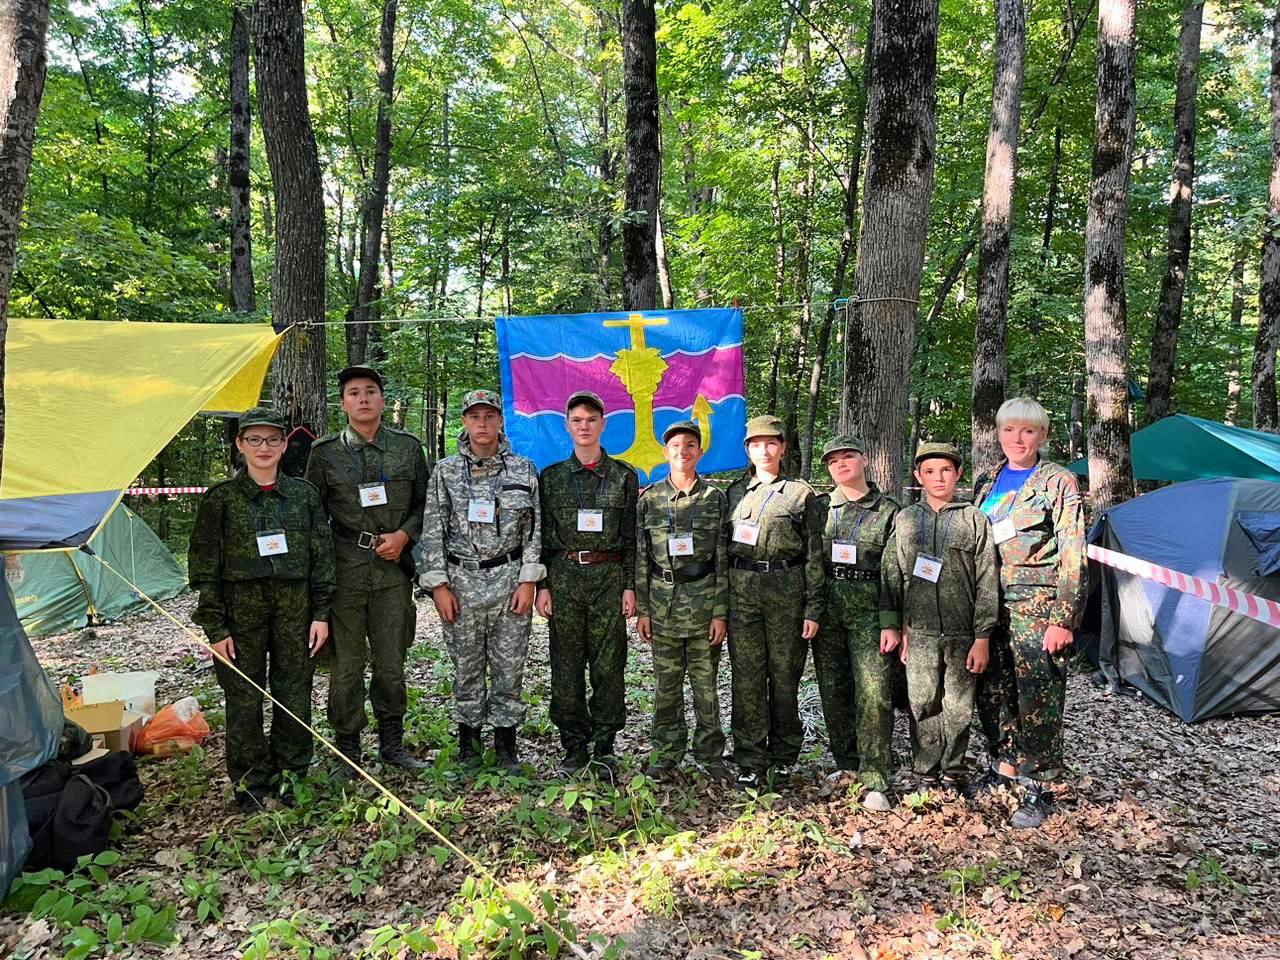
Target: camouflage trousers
{"type": "Point", "coordinates": [369, 626]}
{"type": "Point", "coordinates": [588, 635]}
{"type": "Point", "coordinates": [941, 691]}
{"type": "Point", "coordinates": [767, 654]}
{"type": "Point", "coordinates": [673, 657]}
{"type": "Point", "coordinates": [269, 622]}
{"type": "Point", "coordinates": [488, 644]}
{"type": "Point", "coordinates": [1022, 696]}
{"type": "Point", "coordinates": [856, 682]}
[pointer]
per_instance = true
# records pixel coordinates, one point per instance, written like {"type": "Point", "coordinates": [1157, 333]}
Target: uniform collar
{"type": "Point", "coordinates": [597, 470]}
{"type": "Point", "coordinates": [464, 449]}
{"type": "Point", "coordinates": [954, 504]}
{"type": "Point", "coordinates": [868, 501]}
{"type": "Point", "coordinates": [353, 439]}
{"type": "Point", "coordinates": [754, 481]}
{"type": "Point", "coordinates": [249, 486]}
{"type": "Point", "coordinates": [675, 493]}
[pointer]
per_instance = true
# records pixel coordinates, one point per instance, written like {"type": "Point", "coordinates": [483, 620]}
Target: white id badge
{"type": "Point", "coordinates": [481, 511]}
{"type": "Point", "coordinates": [271, 543]}
{"type": "Point", "coordinates": [680, 546]}
{"type": "Point", "coordinates": [590, 521]}
{"type": "Point", "coordinates": [1003, 530]}
{"type": "Point", "coordinates": [373, 494]}
{"type": "Point", "coordinates": [744, 531]}
{"type": "Point", "coordinates": [927, 568]}
{"type": "Point", "coordinates": [844, 551]}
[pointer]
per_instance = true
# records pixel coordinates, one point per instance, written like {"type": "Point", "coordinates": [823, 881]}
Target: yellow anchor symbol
{"type": "Point", "coordinates": [640, 367]}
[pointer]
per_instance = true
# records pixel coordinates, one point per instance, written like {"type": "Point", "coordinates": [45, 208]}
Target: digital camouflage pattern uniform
{"type": "Point", "coordinates": [486, 638]}
{"type": "Point", "coordinates": [587, 630]}
{"type": "Point", "coordinates": [1043, 578]}
{"type": "Point", "coordinates": [942, 620]}
{"type": "Point", "coordinates": [854, 677]}
{"type": "Point", "coordinates": [682, 595]}
{"type": "Point", "coordinates": [266, 605]}
{"type": "Point", "coordinates": [774, 586]}
{"type": "Point", "coordinates": [373, 610]}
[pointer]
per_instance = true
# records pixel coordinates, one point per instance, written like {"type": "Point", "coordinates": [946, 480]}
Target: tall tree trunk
{"type": "Point", "coordinates": [376, 201]}
{"type": "Point", "coordinates": [664, 266]}
{"type": "Point", "coordinates": [1046, 250]}
{"type": "Point", "coordinates": [1237, 316]}
{"type": "Point", "coordinates": [644, 166]}
{"type": "Point", "coordinates": [297, 281]}
{"type": "Point", "coordinates": [901, 135]}
{"type": "Point", "coordinates": [23, 24]}
{"type": "Point", "coordinates": [606, 166]}
{"type": "Point", "coordinates": [997, 229]}
{"type": "Point", "coordinates": [1164, 339]}
{"type": "Point", "coordinates": [1106, 344]}
{"type": "Point", "coordinates": [242, 293]}
{"type": "Point", "coordinates": [1264, 349]}
{"type": "Point", "coordinates": [1076, 425]}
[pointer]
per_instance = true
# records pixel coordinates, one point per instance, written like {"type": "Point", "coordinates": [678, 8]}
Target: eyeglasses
{"type": "Point", "coordinates": [256, 441]}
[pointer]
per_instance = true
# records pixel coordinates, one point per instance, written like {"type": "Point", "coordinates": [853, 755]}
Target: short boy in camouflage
{"type": "Point", "coordinates": [682, 601]}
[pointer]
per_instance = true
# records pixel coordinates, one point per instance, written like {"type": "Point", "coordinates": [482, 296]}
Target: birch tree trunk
{"type": "Point", "coordinates": [1164, 339]}
{"type": "Point", "coordinates": [243, 298]}
{"type": "Point", "coordinates": [1264, 348]}
{"type": "Point", "coordinates": [1106, 345]}
{"type": "Point", "coordinates": [901, 135]}
{"type": "Point", "coordinates": [644, 168]}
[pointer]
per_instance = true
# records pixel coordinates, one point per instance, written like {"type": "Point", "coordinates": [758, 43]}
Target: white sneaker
{"type": "Point", "coordinates": [877, 802]}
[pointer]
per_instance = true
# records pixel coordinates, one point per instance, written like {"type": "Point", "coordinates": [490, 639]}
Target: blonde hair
{"type": "Point", "coordinates": [1023, 410]}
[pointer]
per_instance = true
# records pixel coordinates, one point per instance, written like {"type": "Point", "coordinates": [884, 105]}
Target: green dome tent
{"type": "Point", "coordinates": [67, 589]}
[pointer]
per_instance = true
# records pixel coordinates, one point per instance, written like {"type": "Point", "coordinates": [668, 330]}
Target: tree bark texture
{"type": "Point", "coordinates": [1164, 339]}
{"type": "Point", "coordinates": [242, 292]}
{"type": "Point", "coordinates": [297, 282]}
{"type": "Point", "coordinates": [644, 168]}
{"type": "Point", "coordinates": [23, 24]}
{"type": "Point", "coordinates": [901, 135]}
{"type": "Point", "coordinates": [376, 199]}
{"type": "Point", "coordinates": [1237, 318]}
{"type": "Point", "coordinates": [1264, 349]}
{"type": "Point", "coordinates": [997, 229]}
{"type": "Point", "coordinates": [1106, 346]}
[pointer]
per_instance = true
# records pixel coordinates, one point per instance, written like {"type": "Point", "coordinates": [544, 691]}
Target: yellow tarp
{"type": "Point", "coordinates": [90, 403]}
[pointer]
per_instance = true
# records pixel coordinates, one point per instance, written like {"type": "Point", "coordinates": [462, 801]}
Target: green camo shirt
{"type": "Point", "coordinates": [611, 487]}
{"type": "Point", "coordinates": [682, 609]}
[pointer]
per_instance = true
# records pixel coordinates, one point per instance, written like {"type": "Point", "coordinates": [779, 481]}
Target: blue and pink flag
{"type": "Point", "coordinates": [650, 368]}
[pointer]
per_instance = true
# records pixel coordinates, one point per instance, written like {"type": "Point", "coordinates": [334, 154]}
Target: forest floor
{"type": "Point", "coordinates": [1164, 845]}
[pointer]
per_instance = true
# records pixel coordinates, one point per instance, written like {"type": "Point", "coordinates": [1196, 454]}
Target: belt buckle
{"type": "Point", "coordinates": [578, 555]}
{"type": "Point", "coordinates": [763, 566]}
{"type": "Point", "coordinates": [367, 540]}
{"type": "Point", "coordinates": [472, 565]}
{"type": "Point", "coordinates": [668, 576]}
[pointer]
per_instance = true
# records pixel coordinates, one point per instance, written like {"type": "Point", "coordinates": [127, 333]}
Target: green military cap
{"type": "Point", "coordinates": [682, 426]}
{"type": "Point", "coordinates": [261, 417]}
{"type": "Point", "coordinates": [482, 397]}
{"type": "Point", "coordinates": [584, 396]}
{"type": "Point", "coordinates": [927, 451]}
{"type": "Point", "coordinates": [766, 425]}
{"type": "Point", "coordinates": [842, 441]}
{"type": "Point", "coordinates": [359, 371]}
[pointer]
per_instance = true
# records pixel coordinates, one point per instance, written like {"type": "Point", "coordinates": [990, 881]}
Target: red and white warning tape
{"type": "Point", "coordinates": [153, 491]}
{"type": "Point", "coordinates": [1259, 608]}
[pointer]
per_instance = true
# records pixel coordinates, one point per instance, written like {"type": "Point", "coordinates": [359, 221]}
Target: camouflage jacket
{"type": "Point", "coordinates": [506, 478]}
{"type": "Point", "coordinates": [1049, 548]}
{"type": "Point", "coordinates": [682, 609]}
{"type": "Point", "coordinates": [224, 545]}
{"type": "Point", "coordinates": [612, 488]}
{"type": "Point", "coordinates": [868, 522]}
{"type": "Point", "coordinates": [965, 601]}
{"type": "Point", "coordinates": [340, 463]}
{"type": "Point", "coordinates": [790, 515]}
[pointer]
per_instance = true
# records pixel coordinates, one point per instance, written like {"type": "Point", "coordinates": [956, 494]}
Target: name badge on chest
{"type": "Point", "coordinates": [844, 551]}
{"type": "Point", "coordinates": [746, 531]}
{"type": "Point", "coordinates": [481, 511]}
{"type": "Point", "coordinates": [680, 546]}
{"type": "Point", "coordinates": [271, 543]}
{"type": "Point", "coordinates": [1003, 530]}
{"type": "Point", "coordinates": [373, 494]}
{"type": "Point", "coordinates": [927, 568]}
{"type": "Point", "coordinates": [590, 521]}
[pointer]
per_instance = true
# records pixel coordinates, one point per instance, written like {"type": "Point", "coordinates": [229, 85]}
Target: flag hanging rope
{"type": "Point", "coordinates": [361, 771]}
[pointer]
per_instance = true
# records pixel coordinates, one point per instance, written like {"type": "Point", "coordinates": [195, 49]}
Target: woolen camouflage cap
{"type": "Point", "coordinates": [682, 426]}
{"type": "Point", "coordinates": [766, 425]}
{"type": "Point", "coordinates": [482, 397]}
{"type": "Point", "coordinates": [261, 417]}
{"type": "Point", "coordinates": [584, 396]}
{"type": "Point", "coordinates": [927, 451]}
{"type": "Point", "coordinates": [842, 441]}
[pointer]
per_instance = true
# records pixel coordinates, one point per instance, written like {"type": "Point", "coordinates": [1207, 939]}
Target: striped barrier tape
{"type": "Point", "coordinates": [154, 491]}
{"type": "Point", "coordinates": [1259, 608]}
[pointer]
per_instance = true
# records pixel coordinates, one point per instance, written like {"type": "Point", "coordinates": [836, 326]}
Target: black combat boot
{"type": "Point", "coordinates": [504, 745]}
{"type": "Point", "coordinates": [391, 746]}
{"type": "Point", "coordinates": [468, 740]}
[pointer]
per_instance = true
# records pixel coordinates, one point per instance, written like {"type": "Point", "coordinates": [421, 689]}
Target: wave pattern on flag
{"type": "Point", "coordinates": [651, 368]}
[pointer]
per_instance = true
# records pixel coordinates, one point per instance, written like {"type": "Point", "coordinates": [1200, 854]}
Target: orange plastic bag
{"type": "Point", "coordinates": [179, 726]}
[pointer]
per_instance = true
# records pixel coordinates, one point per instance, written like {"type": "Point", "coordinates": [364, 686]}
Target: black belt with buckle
{"type": "Point", "coordinates": [766, 566]}
{"type": "Point", "coordinates": [846, 571]}
{"type": "Point", "coordinates": [686, 574]}
{"type": "Point", "coordinates": [364, 539]}
{"type": "Point", "coordinates": [489, 564]}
